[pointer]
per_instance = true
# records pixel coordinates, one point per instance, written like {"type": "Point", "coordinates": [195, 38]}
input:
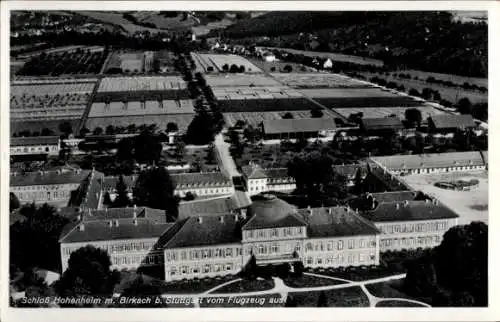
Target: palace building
{"type": "Point", "coordinates": [260, 180]}
{"type": "Point", "coordinates": [49, 145]}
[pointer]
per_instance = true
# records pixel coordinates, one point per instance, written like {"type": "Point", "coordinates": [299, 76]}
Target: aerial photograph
{"type": "Point", "coordinates": [248, 159]}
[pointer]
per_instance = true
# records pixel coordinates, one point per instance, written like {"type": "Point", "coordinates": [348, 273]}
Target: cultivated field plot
{"type": "Point", "coordinates": [447, 77]}
{"type": "Point", "coordinates": [230, 80]}
{"type": "Point", "coordinates": [375, 112]}
{"type": "Point", "coordinates": [141, 108]}
{"type": "Point", "coordinates": [335, 57]}
{"type": "Point", "coordinates": [267, 105]}
{"type": "Point", "coordinates": [451, 94]}
{"type": "Point", "coordinates": [20, 125]}
{"type": "Point", "coordinates": [132, 62]}
{"type": "Point", "coordinates": [470, 205]}
{"type": "Point", "coordinates": [256, 118]}
{"type": "Point", "coordinates": [242, 93]}
{"type": "Point", "coordinates": [279, 66]}
{"type": "Point", "coordinates": [318, 80]}
{"type": "Point", "coordinates": [217, 61]}
{"type": "Point", "coordinates": [350, 93]}
{"type": "Point", "coordinates": [182, 121]}
{"type": "Point", "coordinates": [144, 83]}
{"type": "Point", "coordinates": [344, 102]}
{"type": "Point", "coordinates": [205, 29]}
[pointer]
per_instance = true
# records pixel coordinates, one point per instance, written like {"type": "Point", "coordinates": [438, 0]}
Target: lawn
{"type": "Point", "coordinates": [194, 286]}
{"type": "Point", "coordinates": [390, 289]}
{"type": "Point", "coordinates": [267, 300]}
{"type": "Point", "coordinates": [376, 112]}
{"type": "Point", "coordinates": [357, 273]}
{"type": "Point", "coordinates": [392, 303]}
{"type": "Point", "coordinates": [309, 281]}
{"type": "Point", "coordinates": [318, 80]}
{"type": "Point", "coordinates": [446, 77]}
{"type": "Point", "coordinates": [345, 297]}
{"type": "Point", "coordinates": [244, 286]}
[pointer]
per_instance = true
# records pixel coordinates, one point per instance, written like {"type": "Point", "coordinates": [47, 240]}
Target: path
{"type": "Point", "coordinates": [224, 158]}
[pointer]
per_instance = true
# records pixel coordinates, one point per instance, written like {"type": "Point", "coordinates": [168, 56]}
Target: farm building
{"type": "Point", "coordinates": [35, 145]}
{"type": "Point", "coordinates": [431, 163]}
{"type": "Point", "coordinates": [298, 128]}
{"type": "Point", "coordinates": [450, 123]}
{"type": "Point", "coordinates": [381, 126]}
{"type": "Point", "coordinates": [260, 180]}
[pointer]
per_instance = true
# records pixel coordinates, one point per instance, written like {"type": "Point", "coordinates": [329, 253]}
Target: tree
{"type": "Point", "coordinates": [146, 290]}
{"type": "Point", "coordinates": [155, 189]}
{"type": "Point", "coordinates": [316, 113]}
{"type": "Point", "coordinates": [122, 199]}
{"type": "Point", "coordinates": [46, 132]}
{"type": "Point", "coordinates": [147, 147]}
{"type": "Point", "coordinates": [414, 92]}
{"type": "Point", "coordinates": [34, 286]}
{"type": "Point", "coordinates": [172, 127]}
{"type": "Point", "coordinates": [242, 69]}
{"type": "Point", "coordinates": [234, 69]}
{"type": "Point", "coordinates": [84, 131]}
{"type": "Point", "coordinates": [180, 149]}
{"type": "Point", "coordinates": [110, 129]}
{"type": "Point", "coordinates": [42, 228]}
{"type": "Point", "coordinates": [273, 69]}
{"type": "Point", "coordinates": [190, 196]}
{"type": "Point", "coordinates": [65, 128]}
{"type": "Point", "coordinates": [301, 144]}
{"type": "Point", "coordinates": [427, 93]}
{"type": "Point", "coordinates": [225, 68]}
{"type": "Point", "coordinates": [107, 199]}
{"type": "Point", "coordinates": [288, 68]}
{"type": "Point", "coordinates": [298, 268]}
{"type": "Point", "coordinates": [13, 202]}
{"type": "Point", "coordinates": [98, 131]}
{"type": "Point", "coordinates": [464, 106]}
{"type": "Point", "coordinates": [131, 128]}
{"type": "Point", "coordinates": [287, 115]}
{"type": "Point", "coordinates": [358, 181]}
{"type": "Point", "coordinates": [201, 130]}
{"type": "Point", "coordinates": [413, 116]}
{"type": "Point", "coordinates": [421, 276]}
{"type": "Point", "coordinates": [322, 301]}
{"type": "Point", "coordinates": [88, 273]}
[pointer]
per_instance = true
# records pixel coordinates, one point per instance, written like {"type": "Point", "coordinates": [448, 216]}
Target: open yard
{"type": "Point", "coordinates": [470, 205]}
{"type": "Point", "coordinates": [345, 297]}
{"type": "Point", "coordinates": [255, 118]}
{"type": "Point", "coordinates": [215, 62]}
{"type": "Point", "coordinates": [388, 289]}
{"type": "Point", "coordinates": [318, 80]}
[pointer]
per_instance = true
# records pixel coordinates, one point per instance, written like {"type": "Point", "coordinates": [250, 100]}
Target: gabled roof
{"type": "Point", "coordinates": [110, 182]}
{"type": "Point", "coordinates": [34, 140]}
{"type": "Point", "coordinates": [200, 179]}
{"type": "Point", "coordinates": [154, 215]}
{"type": "Point", "coordinates": [382, 123]}
{"type": "Point", "coordinates": [336, 222]}
{"type": "Point", "coordinates": [299, 125]}
{"type": "Point", "coordinates": [253, 171]}
{"type": "Point", "coordinates": [447, 121]}
{"type": "Point", "coordinates": [393, 196]}
{"type": "Point", "coordinates": [48, 177]}
{"type": "Point", "coordinates": [206, 231]}
{"type": "Point", "coordinates": [214, 206]}
{"type": "Point", "coordinates": [434, 160]}
{"type": "Point", "coordinates": [88, 194]}
{"type": "Point", "coordinates": [410, 211]}
{"type": "Point", "coordinates": [268, 211]}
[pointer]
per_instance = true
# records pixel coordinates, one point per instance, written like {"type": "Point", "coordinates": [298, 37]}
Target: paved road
{"type": "Point", "coordinates": [224, 157]}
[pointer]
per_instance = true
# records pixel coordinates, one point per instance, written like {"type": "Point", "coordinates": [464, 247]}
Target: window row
{"type": "Point", "coordinates": [203, 254]}
{"type": "Point", "coordinates": [410, 228]}
{"type": "Point", "coordinates": [275, 232]}
{"type": "Point", "coordinates": [340, 259]}
{"type": "Point", "coordinates": [182, 191]}
{"type": "Point", "coordinates": [428, 240]}
{"type": "Point", "coordinates": [205, 269]}
{"type": "Point", "coordinates": [137, 260]}
{"type": "Point", "coordinates": [34, 149]}
{"type": "Point", "coordinates": [320, 246]}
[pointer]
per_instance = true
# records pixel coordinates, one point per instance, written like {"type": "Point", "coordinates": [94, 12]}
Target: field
{"type": "Point", "coordinates": [335, 57]}
{"type": "Point", "coordinates": [229, 80]}
{"type": "Point", "coordinates": [80, 61]}
{"type": "Point", "coordinates": [217, 61]}
{"type": "Point", "coordinates": [267, 105]}
{"type": "Point", "coordinates": [351, 93]}
{"type": "Point", "coordinates": [143, 83]}
{"type": "Point", "coordinates": [248, 93]}
{"type": "Point", "coordinates": [182, 121]}
{"type": "Point", "coordinates": [346, 297]}
{"type": "Point", "coordinates": [278, 66]}
{"type": "Point", "coordinates": [135, 108]}
{"type": "Point", "coordinates": [366, 101]}
{"type": "Point", "coordinates": [255, 118]}
{"type": "Point", "coordinates": [446, 77]}
{"type": "Point", "coordinates": [162, 22]}
{"type": "Point", "coordinates": [115, 18]}
{"type": "Point", "coordinates": [375, 112]}
{"type": "Point", "coordinates": [318, 80]}
{"type": "Point", "coordinates": [310, 281]}
{"type": "Point", "coordinates": [470, 205]}
{"type": "Point", "coordinates": [451, 94]}
{"type": "Point", "coordinates": [205, 29]}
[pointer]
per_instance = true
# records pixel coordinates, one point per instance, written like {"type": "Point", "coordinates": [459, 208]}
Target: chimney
{"type": "Point", "coordinates": [397, 205]}
{"type": "Point", "coordinates": [329, 211]}
{"type": "Point", "coordinates": [221, 219]}
{"type": "Point", "coordinates": [81, 227]}
{"type": "Point", "coordinates": [200, 220]}
{"type": "Point", "coordinates": [117, 223]}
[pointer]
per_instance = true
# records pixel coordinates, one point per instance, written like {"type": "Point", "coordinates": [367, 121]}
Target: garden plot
{"type": "Point", "coordinates": [145, 83]}
{"type": "Point", "coordinates": [376, 112]}
{"type": "Point", "coordinates": [135, 108]}
{"type": "Point", "coordinates": [470, 205]}
{"type": "Point", "coordinates": [267, 105]}
{"type": "Point", "coordinates": [230, 80]}
{"type": "Point", "coordinates": [318, 80]}
{"type": "Point", "coordinates": [349, 93]}
{"type": "Point", "coordinates": [244, 93]}
{"type": "Point", "coordinates": [217, 61]}
{"type": "Point", "coordinates": [256, 118]}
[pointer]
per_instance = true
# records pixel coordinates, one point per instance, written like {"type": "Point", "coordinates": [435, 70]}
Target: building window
{"type": "Point", "coordinates": [205, 254]}
{"type": "Point", "coordinates": [297, 247]}
{"type": "Point", "coordinates": [250, 234]}
{"type": "Point", "coordinates": [183, 255]}
{"type": "Point", "coordinates": [350, 243]}
{"type": "Point", "coordinates": [319, 261]}
{"type": "Point", "coordinates": [309, 261]}
{"type": "Point", "coordinates": [229, 267]}
{"type": "Point", "coordinates": [309, 247]}
{"type": "Point", "coordinates": [217, 267]}
{"type": "Point", "coordinates": [206, 268]}
{"type": "Point", "coordinates": [173, 271]}
{"type": "Point", "coordinates": [274, 248]}
{"type": "Point", "coordinates": [361, 243]}
{"type": "Point", "coordinates": [340, 245]}
{"type": "Point", "coordinates": [261, 233]}
{"type": "Point", "coordinates": [274, 232]}
{"type": "Point", "coordinates": [361, 257]}
{"type": "Point", "coordinates": [195, 270]}
{"type": "Point", "coordinates": [184, 270]}
{"type": "Point", "coordinates": [217, 252]}
{"type": "Point", "coordinates": [330, 246]}
{"type": "Point", "coordinates": [261, 249]}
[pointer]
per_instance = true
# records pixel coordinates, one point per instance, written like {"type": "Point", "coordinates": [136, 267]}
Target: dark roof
{"type": "Point", "coordinates": [393, 196]}
{"type": "Point", "coordinates": [206, 231]}
{"type": "Point", "coordinates": [109, 183]}
{"type": "Point", "coordinates": [298, 125]}
{"type": "Point", "coordinates": [214, 206]}
{"type": "Point", "coordinates": [253, 171]}
{"type": "Point", "coordinates": [98, 230]}
{"type": "Point", "coordinates": [48, 177]}
{"type": "Point", "coordinates": [447, 121]}
{"type": "Point", "coordinates": [410, 211]}
{"type": "Point", "coordinates": [34, 140]}
{"type": "Point", "coordinates": [434, 160]}
{"type": "Point", "coordinates": [268, 211]}
{"type": "Point", "coordinates": [382, 123]}
{"type": "Point", "coordinates": [200, 179]}
{"type": "Point", "coordinates": [278, 175]}
{"type": "Point", "coordinates": [350, 170]}
{"type": "Point", "coordinates": [154, 215]}
{"type": "Point", "coordinates": [335, 222]}
{"type": "Point", "coordinates": [89, 193]}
